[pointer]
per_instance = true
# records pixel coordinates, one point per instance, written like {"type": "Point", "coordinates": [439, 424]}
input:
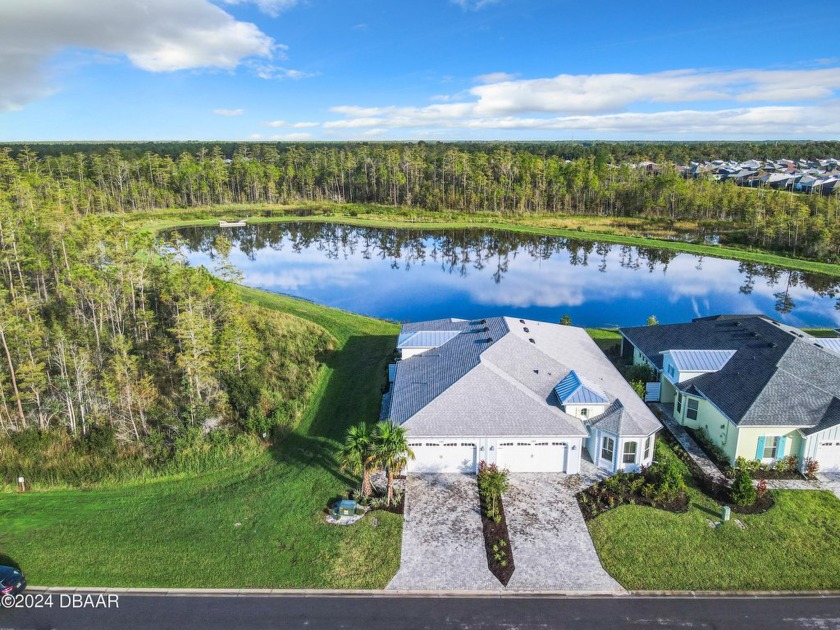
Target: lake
{"type": "Point", "coordinates": [412, 275]}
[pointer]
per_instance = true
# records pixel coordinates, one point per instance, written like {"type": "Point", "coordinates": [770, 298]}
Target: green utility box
{"type": "Point", "coordinates": [347, 508]}
{"type": "Point", "coordinates": [725, 512]}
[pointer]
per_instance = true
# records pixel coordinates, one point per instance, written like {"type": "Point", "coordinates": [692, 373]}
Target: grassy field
{"type": "Point", "coordinates": [637, 232]}
{"type": "Point", "coordinates": [792, 546]}
{"type": "Point", "coordinates": [255, 525]}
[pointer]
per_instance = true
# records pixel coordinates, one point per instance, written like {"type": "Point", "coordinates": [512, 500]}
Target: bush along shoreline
{"type": "Point", "coordinates": [492, 484]}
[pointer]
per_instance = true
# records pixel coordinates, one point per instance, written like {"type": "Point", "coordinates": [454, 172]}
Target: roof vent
{"type": "Point", "coordinates": [483, 321]}
{"type": "Point", "coordinates": [755, 334]}
{"type": "Point", "coordinates": [486, 329]}
{"type": "Point", "coordinates": [526, 329]}
{"type": "Point", "coordinates": [532, 340]}
{"type": "Point", "coordinates": [772, 344]}
{"type": "Point", "coordinates": [738, 323]}
{"type": "Point", "coordinates": [489, 339]}
{"type": "Point", "coordinates": [521, 321]}
{"type": "Point", "coordinates": [536, 371]}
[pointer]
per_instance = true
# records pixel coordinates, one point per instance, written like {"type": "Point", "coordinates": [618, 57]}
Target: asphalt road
{"type": "Point", "coordinates": [434, 613]}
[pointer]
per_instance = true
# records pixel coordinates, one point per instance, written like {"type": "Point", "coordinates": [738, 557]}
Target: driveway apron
{"type": "Point", "coordinates": [551, 545]}
{"type": "Point", "coordinates": [443, 543]}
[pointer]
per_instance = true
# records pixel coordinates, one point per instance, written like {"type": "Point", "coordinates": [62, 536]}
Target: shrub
{"type": "Point", "coordinates": [742, 491]}
{"type": "Point", "coordinates": [812, 467]}
{"type": "Point", "coordinates": [643, 373]}
{"type": "Point", "coordinates": [667, 478]}
{"type": "Point", "coordinates": [639, 388]}
{"type": "Point", "coordinates": [492, 484]}
{"type": "Point", "coordinates": [752, 466]}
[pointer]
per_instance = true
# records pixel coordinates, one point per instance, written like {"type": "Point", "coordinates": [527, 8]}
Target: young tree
{"type": "Point", "coordinates": [390, 446]}
{"type": "Point", "coordinates": [357, 454]}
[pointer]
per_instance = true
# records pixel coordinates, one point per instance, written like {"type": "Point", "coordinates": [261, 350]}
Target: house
{"type": "Point", "coordinates": [759, 389]}
{"type": "Point", "coordinates": [526, 395]}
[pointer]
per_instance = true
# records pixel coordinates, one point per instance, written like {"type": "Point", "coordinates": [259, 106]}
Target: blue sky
{"type": "Point", "coordinates": [394, 70]}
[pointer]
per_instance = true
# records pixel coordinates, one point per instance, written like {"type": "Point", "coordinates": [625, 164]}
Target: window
{"type": "Point", "coordinates": [770, 446]}
{"type": "Point", "coordinates": [607, 448]}
{"type": "Point", "coordinates": [691, 408]}
{"type": "Point", "coordinates": [670, 369]}
{"type": "Point", "coordinates": [648, 444]}
{"type": "Point", "coordinates": [584, 412]}
{"type": "Point", "coordinates": [630, 452]}
{"type": "Point", "coordinates": [679, 403]}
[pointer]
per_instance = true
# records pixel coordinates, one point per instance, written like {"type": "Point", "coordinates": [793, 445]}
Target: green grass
{"type": "Point", "coordinates": [182, 532]}
{"type": "Point", "coordinates": [792, 546]}
{"type": "Point", "coordinates": [583, 228]}
{"type": "Point", "coordinates": [821, 332]}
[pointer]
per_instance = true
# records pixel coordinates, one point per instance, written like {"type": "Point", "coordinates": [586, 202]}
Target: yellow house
{"type": "Point", "coordinates": [759, 389]}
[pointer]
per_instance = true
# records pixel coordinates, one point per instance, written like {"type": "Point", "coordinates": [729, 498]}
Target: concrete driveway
{"type": "Point", "coordinates": [443, 544]}
{"type": "Point", "coordinates": [552, 548]}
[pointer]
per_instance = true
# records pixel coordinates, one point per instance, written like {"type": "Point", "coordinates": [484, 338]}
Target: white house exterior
{"type": "Point", "coordinates": [528, 396]}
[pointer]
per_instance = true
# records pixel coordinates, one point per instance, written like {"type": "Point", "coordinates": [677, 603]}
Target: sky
{"type": "Point", "coordinates": [300, 70]}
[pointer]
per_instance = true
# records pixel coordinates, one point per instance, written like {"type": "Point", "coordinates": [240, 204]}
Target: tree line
{"type": "Point", "coordinates": [503, 178]}
{"type": "Point", "coordinates": [111, 347]}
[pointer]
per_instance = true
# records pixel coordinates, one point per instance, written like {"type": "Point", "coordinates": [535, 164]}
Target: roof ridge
{"type": "Point", "coordinates": [523, 388]}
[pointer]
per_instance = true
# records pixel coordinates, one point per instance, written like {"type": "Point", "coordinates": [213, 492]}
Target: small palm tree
{"type": "Point", "coordinates": [390, 445]}
{"type": "Point", "coordinates": [357, 455]}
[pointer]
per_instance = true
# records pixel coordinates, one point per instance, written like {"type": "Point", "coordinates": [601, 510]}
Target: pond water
{"type": "Point", "coordinates": [412, 275]}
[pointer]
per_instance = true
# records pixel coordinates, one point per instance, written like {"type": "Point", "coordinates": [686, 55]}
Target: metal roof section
{"type": "Point", "coordinates": [830, 344]}
{"type": "Point", "coordinates": [425, 338]}
{"type": "Point", "coordinates": [573, 389]}
{"type": "Point", "coordinates": [700, 360]}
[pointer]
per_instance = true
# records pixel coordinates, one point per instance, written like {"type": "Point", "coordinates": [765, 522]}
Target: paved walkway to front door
{"type": "Point", "coordinates": [552, 548]}
{"type": "Point", "coordinates": [443, 543]}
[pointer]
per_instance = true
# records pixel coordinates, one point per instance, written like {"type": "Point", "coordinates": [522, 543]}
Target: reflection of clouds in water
{"type": "Point", "coordinates": [382, 286]}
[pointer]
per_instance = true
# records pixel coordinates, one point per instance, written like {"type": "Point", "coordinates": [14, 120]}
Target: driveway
{"type": "Point", "coordinates": [552, 548]}
{"type": "Point", "coordinates": [831, 481]}
{"type": "Point", "coordinates": [443, 544]}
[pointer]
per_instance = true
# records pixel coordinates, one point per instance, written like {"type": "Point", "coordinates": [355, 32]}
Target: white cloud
{"type": "Point", "coordinates": [474, 5]}
{"type": "Point", "coordinates": [293, 137]}
{"type": "Point", "coordinates": [228, 112]}
{"type": "Point", "coordinates": [495, 77]}
{"type": "Point", "coordinates": [269, 7]}
{"type": "Point", "coordinates": [271, 71]}
{"type": "Point", "coordinates": [283, 123]}
{"type": "Point", "coordinates": [154, 35]}
{"type": "Point", "coordinates": [761, 103]}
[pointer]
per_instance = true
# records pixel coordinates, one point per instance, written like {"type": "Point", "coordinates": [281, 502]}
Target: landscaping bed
{"type": "Point", "coordinates": [492, 483]}
{"type": "Point", "coordinates": [790, 547]}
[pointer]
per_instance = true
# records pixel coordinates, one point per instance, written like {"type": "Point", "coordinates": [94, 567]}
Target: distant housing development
{"type": "Point", "coordinates": [528, 396]}
{"type": "Point", "coordinates": [807, 176]}
{"type": "Point", "coordinates": [759, 389]}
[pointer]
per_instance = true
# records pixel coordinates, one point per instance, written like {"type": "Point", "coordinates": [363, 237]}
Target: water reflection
{"type": "Point", "coordinates": [472, 273]}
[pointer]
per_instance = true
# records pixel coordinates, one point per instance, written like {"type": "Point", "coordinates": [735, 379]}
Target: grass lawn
{"type": "Point", "coordinates": [792, 546]}
{"type": "Point", "coordinates": [183, 532]}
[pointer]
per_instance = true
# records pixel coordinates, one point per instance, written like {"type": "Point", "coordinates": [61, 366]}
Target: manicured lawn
{"type": "Point", "coordinates": [821, 332]}
{"type": "Point", "coordinates": [183, 532]}
{"type": "Point", "coordinates": [792, 546]}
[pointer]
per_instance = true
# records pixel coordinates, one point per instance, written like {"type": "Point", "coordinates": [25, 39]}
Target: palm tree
{"type": "Point", "coordinates": [357, 455]}
{"type": "Point", "coordinates": [390, 446]}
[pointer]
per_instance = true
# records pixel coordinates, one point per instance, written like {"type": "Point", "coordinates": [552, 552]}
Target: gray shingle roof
{"type": "Point", "coordinates": [498, 381]}
{"type": "Point", "coordinates": [776, 377]}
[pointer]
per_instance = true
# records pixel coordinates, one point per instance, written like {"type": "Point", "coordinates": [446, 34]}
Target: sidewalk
{"type": "Point", "coordinates": [687, 442]}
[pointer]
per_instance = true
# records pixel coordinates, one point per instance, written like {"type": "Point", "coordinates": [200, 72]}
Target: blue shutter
{"type": "Point", "coordinates": [780, 449]}
{"type": "Point", "coordinates": [759, 452]}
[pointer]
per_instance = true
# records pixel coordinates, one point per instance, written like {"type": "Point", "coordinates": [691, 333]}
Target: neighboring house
{"type": "Point", "coordinates": [760, 389]}
{"type": "Point", "coordinates": [526, 395]}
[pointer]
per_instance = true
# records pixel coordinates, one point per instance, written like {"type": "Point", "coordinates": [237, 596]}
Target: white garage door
{"type": "Point", "coordinates": [532, 456]}
{"type": "Point", "coordinates": [443, 457]}
{"type": "Point", "coordinates": [828, 456]}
